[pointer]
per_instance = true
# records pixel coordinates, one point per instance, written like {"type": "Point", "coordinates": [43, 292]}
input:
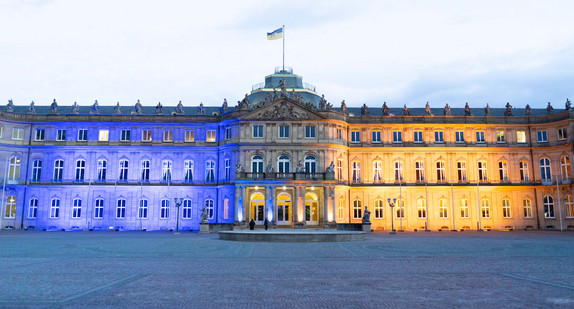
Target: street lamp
{"type": "Point", "coordinates": [392, 204]}
{"type": "Point", "coordinates": [177, 205]}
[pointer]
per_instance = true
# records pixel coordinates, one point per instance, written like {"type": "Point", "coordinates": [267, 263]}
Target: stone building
{"type": "Point", "coordinates": [284, 153]}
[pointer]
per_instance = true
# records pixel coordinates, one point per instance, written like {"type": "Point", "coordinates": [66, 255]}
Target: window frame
{"type": "Point", "coordinates": [257, 131]}
{"type": "Point", "coordinates": [17, 134]}
{"type": "Point", "coordinates": [542, 136]}
{"type": "Point", "coordinates": [40, 135]}
{"type": "Point", "coordinates": [82, 135]}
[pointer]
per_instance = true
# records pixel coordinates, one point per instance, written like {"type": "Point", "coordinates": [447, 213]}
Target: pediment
{"type": "Point", "coordinates": [282, 109]}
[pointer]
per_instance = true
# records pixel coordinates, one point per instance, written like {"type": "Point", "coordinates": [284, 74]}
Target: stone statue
{"type": "Point", "coordinates": [179, 109]}
{"type": "Point", "coordinates": [159, 109]}
{"type": "Point", "coordinates": [224, 106]}
{"type": "Point", "coordinates": [446, 111]}
{"type": "Point", "coordinates": [330, 168]}
{"type": "Point", "coordinates": [549, 108]}
{"type": "Point", "coordinates": [75, 108]}
{"type": "Point", "coordinates": [117, 109]}
{"type": "Point", "coordinates": [269, 167]}
{"type": "Point", "coordinates": [201, 109]}
{"type": "Point", "coordinates": [138, 108]}
{"type": "Point", "coordinates": [54, 107]}
{"type": "Point", "coordinates": [364, 110]}
{"type": "Point", "coordinates": [528, 110]}
{"type": "Point", "coordinates": [406, 111]}
{"type": "Point", "coordinates": [95, 108]}
{"type": "Point", "coordinates": [568, 105]}
{"type": "Point", "coordinates": [467, 110]}
{"type": "Point", "coordinates": [508, 111]}
{"type": "Point", "coordinates": [300, 168]}
{"type": "Point", "coordinates": [238, 168]}
{"type": "Point", "coordinates": [32, 109]}
{"type": "Point", "coordinates": [245, 104]}
{"type": "Point", "coordinates": [386, 109]}
{"type": "Point", "coordinates": [204, 215]}
{"type": "Point", "coordinates": [10, 106]}
{"type": "Point", "coordinates": [283, 86]}
{"type": "Point", "coordinates": [367, 216]}
{"type": "Point", "coordinates": [487, 111]}
{"type": "Point", "coordinates": [427, 109]}
{"type": "Point", "coordinates": [343, 107]}
{"type": "Point", "coordinates": [322, 103]}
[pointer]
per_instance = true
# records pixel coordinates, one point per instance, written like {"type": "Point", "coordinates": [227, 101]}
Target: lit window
{"type": "Point", "coordinates": [418, 136]}
{"type": "Point", "coordinates": [562, 134]}
{"type": "Point", "coordinates": [61, 135]}
{"type": "Point", "coordinates": [168, 136]}
{"type": "Point", "coordinates": [376, 136]}
{"type": "Point", "coordinates": [459, 136]}
{"type": "Point", "coordinates": [77, 209]}
{"type": "Point", "coordinates": [527, 204]}
{"type": "Point", "coordinates": [121, 209]}
{"type": "Point", "coordinates": [485, 208]}
{"type": "Point", "coordinates": [226, 209]}
{"type": "Point", "coordinates": [310, 132]}
{"type": "Point", "coordinates": [82, 135]}
{"type": "Point", "coordinates": [500, 137]}
{"type": "Point", "coordinates": [10, 207]}
{"type": "Point", "coordinates": [125, 135]}
{"type": "Point", "coordinates": [210, 136]}
{"type": "Point", "coordinates": [258, 131]}
{"type": "Point", "coordinates": [464, 208]}
{"type": "Point", "coordinates": [480, 137]}
{"type": "Point", "coordinates": [542, 136]}
{"type": "Point", "coordinates": [438, 137]}
{"type": "Point", "coordinates": [189, 136]}
{"type": "Point", "coordinates": [14, 169]}
{"type": "Point", "coordinates": [355, 137]}
{"type": "Point", "coordinates": [442, 208]}
{"type": "Point", "coordinates": [284, 131]}
{"type": "Point", "coordinates": [400, 209]}
{"type": "Point", "coordinates": [104, 135]}
{"type": "Point", "coordinates": [341, 212]}
{"type": "Point", "coordinates": [397, 137]}
{"type": "Point", "coordinates": [569, 204]}
{"type": "Point", "coordinates": [99, 209]}
{"type": "Point", "coordinates": [548, 203]}
{"type": "Point", "coordinates": [357, 209]}
{"type": "Point", "coordinates": [17, 134]}
{"type": "Point", "coordinates": [339, 169]}
{"type": "Point", "coordinates": [33, 208]}
{"type": "Point", "coordinates": [146, 135]}
{"type": "Point", "coordinates": [40, 134]}
{"type": "Point", "coordinates": [506, 208]}
{"type": "Point", "coordinates": [1, 131]}
{"type": "Point", "coordinates": [55, 208]}
{"type": "Point", "coordinates": [520, 137]}
{"type": "Point", "coordinates": [421, 209]}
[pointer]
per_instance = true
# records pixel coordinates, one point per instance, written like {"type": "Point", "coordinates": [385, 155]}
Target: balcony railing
{"type": "Point", "coordinates": [287, 176]}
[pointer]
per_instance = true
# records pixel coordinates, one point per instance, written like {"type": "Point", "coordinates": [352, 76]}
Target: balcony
{"type": "Point", "coordinates": [286, 176]}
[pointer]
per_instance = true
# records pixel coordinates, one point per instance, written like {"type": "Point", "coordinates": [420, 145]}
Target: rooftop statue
{"type": "Point", "coordinates": [427, 109]}
{"type": "Point", "coordinates": [95, 108]}
{"type": "Point", "coordinates": [343, 107]}
{"type": "Point", "coordinates": [406, 111]}
{"type": "Point", "coordinates": [322, 103]}
{"type": "Point", "coordinates": [508, 111]}
{"type": "Point", "coordinates": [364, 110]}
{"type": "Point", "coordinates": [201, 109]}
{"type": "Point", "coordinates": [446, 111]}
{"type": "Point", "coordinates": [244, 104]}
{"type": "Point", "coordinates": [568, 105]}
{"type": "Point", "coordinates": [283, 86]}
{"type": "Point", "coordinates": [54, 107]}
{"type": "Point", "coordinates": [224, 106]}
{"type": "Point", "coordinates": [386, 109]}
{"type": "Point", "coordinates": [549, 108]}
{"type": "Point", "coordinates": [138, 108]}
{"type": "Point", "coordinates": [158, 109]}
{"type": "Point", "coordinates": [75, 108]}
{"type": "Point", "coordinates": [10, 106]}
{"type": "Point", "coordinates": [117, 109]}
{"type": "Point", "coordinates": [528, 110]}
{"type": "Point", "coordinates": [32, 109]}
{"type": "Point", "coordinates": [179, 109]}
{"type": "Point", "coordinates": [487, 111]}
{"type": "Point", "coordinates": [467, 110]}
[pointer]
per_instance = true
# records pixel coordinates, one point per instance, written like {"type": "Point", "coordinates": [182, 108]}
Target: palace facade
{"type": "Point", "coordinates": [285, 154]}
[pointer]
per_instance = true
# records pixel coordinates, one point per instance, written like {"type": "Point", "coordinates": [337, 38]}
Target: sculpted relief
{"type": "Point", "coordinates": [283, 110]}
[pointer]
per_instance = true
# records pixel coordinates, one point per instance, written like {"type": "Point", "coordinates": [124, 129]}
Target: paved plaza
{"type": "Point", "coordinates": [190, 270]}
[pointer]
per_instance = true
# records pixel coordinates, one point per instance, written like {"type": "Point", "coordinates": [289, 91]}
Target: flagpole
{"type": "Point", "coordinates": [283, 47]}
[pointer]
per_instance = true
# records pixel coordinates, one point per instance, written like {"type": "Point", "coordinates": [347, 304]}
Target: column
{"type": "Point", "coordinates": [270, 200]}
{"type": "Point", "coordinates": [302, 209]}
{"type": "Point", "coordinates": [295, 205]}
{"type": "Point", "coordinates": [333, 204]}
{"type": "Point", "coordinates": [326, 195]}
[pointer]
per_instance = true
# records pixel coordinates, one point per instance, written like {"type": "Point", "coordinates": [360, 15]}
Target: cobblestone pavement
{"type": "Point", "coordinates": [407, 270]}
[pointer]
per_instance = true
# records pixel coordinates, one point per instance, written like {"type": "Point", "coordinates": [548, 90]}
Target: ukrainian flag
{"type": "Point", "coordinates": [277, 34]}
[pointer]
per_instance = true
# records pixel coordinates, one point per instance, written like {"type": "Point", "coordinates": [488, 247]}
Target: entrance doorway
{"type": "Point", "coordinates": [283, 208]}
{"type": "Point", "coordinates": [311, 209]}
{"type": "Point", "coordinates": [258, 208]}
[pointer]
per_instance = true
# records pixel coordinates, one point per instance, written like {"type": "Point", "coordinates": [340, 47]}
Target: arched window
{"type": "Point", "coordinates": [186, 209]}
{"type": "Point", "coordinates": [36, 170]}
{"type": "Point", "coordinates": [398, 171]}
{"type": "Point", "coordinates": [14, 169]}
{"type": "Point", "coordinates": [284, 164]}
{"type": "Point", "coordinates": [506, 208]}
{"type": "Point", "coordinates": [569, 204]}
{"type": "Point", "coordinates": [503, 171]}
{"type": "Point", "coordinates": [210, 171]}
{"type": "Point", "coordinates": [257, 164]}
{"type": "Point", "coordinates": [142, 210]}
{"type": "Point", "coordinates": [123, 175]}
{"type": "Point", "coordinates": [548, 203]}
{"type": "Point", "coordinates": [33, 208]}
{"type": "Point", "coordinates": [77, 208]}
{"type": "Point", "coordinates": [166, 170]}
{"type": "Point", "coordinates": [565, 167]}
{"type": "Point", "coordinates": [356, 169]}
{"type": "Point", "coordinates": [379, 209]}
{"type": "Point", "coordinates": [188, 171]}
{"type": "Point", "coordinates": [58, 170]}
{"type": "Point", "coordinates": [485, 208]}
{"type": "Point", "coordinates": [443, 209]}
{"type": "Point", "coordinates": [527, 204]}
{"type": "Point", "coordinates": [310, 164]}
{"type": "Point", "coordinates": [440, 171]}
{"type": "Point", "coordinates": [121, 209]}
{"type": "Point", "coordinates": [10, 211]}
{"type": "Point", "coordinates": [55, 208]}
{"type": "Point", "coordinates": [80, 170]}
{"type": "Point", "coordinates": [545, 173]}
{"type": "Point", "coordinates": [283, 207]}
{"type": "Point", "coordinates": [99, 208]}
{"type": "Point", "coordinates": [209, 208]}
{"type": "Point", "coordinates": [357, 209]}
{"type": "Point", "coordinates": [421, 208]}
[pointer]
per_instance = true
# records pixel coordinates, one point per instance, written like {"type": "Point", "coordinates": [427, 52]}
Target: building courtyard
{"type": "Point", "coordinates": [517, 269]}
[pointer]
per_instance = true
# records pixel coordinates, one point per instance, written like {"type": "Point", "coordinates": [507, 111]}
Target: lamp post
{"type": "Point", "coordinates": [392, 204]}
{"type": "Point", "coordinates": [177, 205]}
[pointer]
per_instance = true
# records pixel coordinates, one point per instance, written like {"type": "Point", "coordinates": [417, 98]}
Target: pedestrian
{"type": "Point", "coordinates": [252, 225]}
{"type": "Point", "coordinates": [266, 224]}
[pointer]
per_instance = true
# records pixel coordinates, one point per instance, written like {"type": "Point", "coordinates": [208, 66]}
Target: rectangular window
{"type": "Point", "coordinates": [104, 135]}
{"type": "Point", "coordinates": [500, 137]}
{"type": "Point", "coordinates": [145, 164]}
{"type": "Point", "coordinates": [527, 208]}
{"type": "Point", "coordinates": [1, 131]}
{"type": "Point", "coordinates": [121, 209]}
{"type": "Point", "coordinates": [40, 133]}
{"type": "Point", "coordinates": [82, 135]}
{"type": "Point", "coordinates": [61, 135]}
{"type": "Point", "coordinates": [125, 135]}
{"type": "Point", "coordinates": [36, 170]}
{"type": "Point", "coordinates": [482, 176]}
{"type": "Point", "coordinates": [523, 171]}
{"type": "Point", "coordinates": [459, 135]}
{"type": "Point", "coordinates": [225, 209]}
{"type": "Point", "coordinates": [102, 170]}
{"type": "Point", "coordinates": [186, 209]}
{"type": "Point", "coordinates": [464, 208]}
{"type": "Point", "coordinates": [520, 136]}
{"type": "Point", "coordinates": [189, 136]}
{"type": "Point", "coordinates": [258, 131]}
{"type": "Point", "coordinates": [562, 134]}
{"type": "Point", "coordinates": [397, 137]}
{"type": "Point", "coordinates": [340, 169]}
{"type": "Point", "coordinates": [341, 209]}
{"type": "Point", "coordinates": [356, 170]}
{"type": "Point", "coordinates": [227, 133]}
{"type": "Point", "coordinates": [355, 137]}
{"type": "Point", "coordinates": [164, 210]}
{"type": "Point", "coordinates": [284, 131]}
{"type": "Point", "coordinates": [506, 208]}
{"type": "Point", "coordinates": [376, 136]}
{"type": "Point", "coordinates": [80, 170]}
{"type": "Point", "coordinates": [400, 209]}
{"type": "Point", "coordinates": [357, 209]}
{"type": "Point", "coordinates": [77, 209]}
{"type": "Point", "coordinates": [421, 209]}
{"type": "Point", "coordinates": [227, 169]}
{"type": "Point", "coordinates": [461, 171]}
{"type": "Point", "coordinates": [542, 136]}
{"type": "Point", "coordinates": [503, 171]}
{"type": "Point", "coordinates": [142, 210]}
{"type": "Point", "coordinates": [398, 171]}
{"type": "Point", "coordinates": [55, 208]}
{"type": "Point", "coordinates": [485, 208]}
{"type": "Point", "coordinates": [168, 136]}
{"type": "Point", "coordinates": [419, 171]}
{"type": "Point", "coordinates": [440, 172]}
{"type": "Point", "coordinates": [339, 134]}
{"type": "Point", "coordinates": [377, 171]}
{"type": "Point", "coordinates": [418, 138]}
{"type": "Point", "coordinates": [210, 136]}
{"type": "Point", "coordinates": [187, 171]}
{"type": "Point", "coordinates": [33, 208]}
{"type": "Point", "coordinates": [123, 171]}
{"type": "Point", "coordinates": [146, 135]}
{"type": "Point", "coordinates": [17, 134]}
{"type": "Point", "coordinates": [99, 209]}
{"type": "Point", "coordinates": [310, 132]}
{"type": "Point", "coordinates": [58, 170]}
{"type": "Point", "coordinates": [379, 207]}
{"type": "Point", "coordinates": [438, 137]}
{"type": "Point", "coordinates": [480, 137]}
{"type": "Point", "coordinates": [442, 209]}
